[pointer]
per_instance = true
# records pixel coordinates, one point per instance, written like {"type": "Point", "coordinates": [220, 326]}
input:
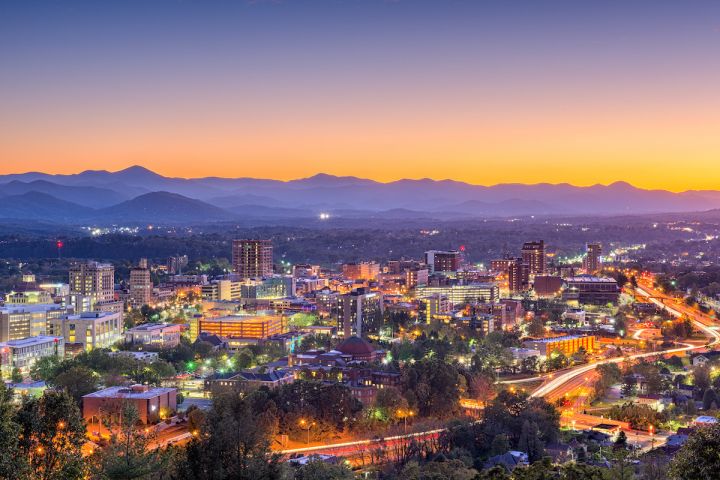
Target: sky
{"type": "Point", "coordinates": [482, 91]}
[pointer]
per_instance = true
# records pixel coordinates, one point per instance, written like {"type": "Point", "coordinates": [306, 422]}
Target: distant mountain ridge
{"type": "Point", "coordinates": [141, 195]}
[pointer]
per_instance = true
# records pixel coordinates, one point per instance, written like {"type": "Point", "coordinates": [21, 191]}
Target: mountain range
{"type": "Point", "coordinates": [139, 195]}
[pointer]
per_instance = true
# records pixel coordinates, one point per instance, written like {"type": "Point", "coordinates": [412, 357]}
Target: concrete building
{"type": "Point", "coordinates": [518, 276]}
{"type": "Point", "coordinates": [439, 261]}
{"type": "Point", "coordinates": [152, 404]}
{"type": "Point", "coordinates": [432, 306]}
{"type": "Point", "coordinates": [568, 345]}
{"type": "Point", "coordinates": [533, 255]}
{"type": "Point", "coordinates": [457, 294]}
{"type": "Point", "coordinates": [252, 258]}
{"type": "Point", "coordinates": [23, 353]}
{"type": "Point", "coordinates": [141, 286]}
{"type": "Point", "coordinates": [359, 312]}
{"type": "Point", "coordinates": [89, 330]}
{"type": "Point", "coordinates": [269, 288]}
{"type": "Point", "coordinates": [589, 289]}
{"type": "Point", "coordinates": [547, 286]}
{"type": "Point", "coordinates": [163, 335]}
{"type": "Point", "coordinates": [225, 290]}
{"type": "Point", "coordinates": [22, 321]}
{"type": "Point", "coordinates": [361, 271]}
{"type": "Point", "coordinates": [243, 326]}
{"type": "Point", "coordinates": [415, 277]}
{"type": "Point", "coordinates": [591, 261]}
{"type": "Point", "coordinates": [91, 283]}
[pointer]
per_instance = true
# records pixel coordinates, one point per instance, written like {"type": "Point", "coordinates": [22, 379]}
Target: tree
{"type": "Point", "coordinates": [530, 442]}
{"type": "Point", "coordinates": [629, 386]}
{"type": "Point", "coordinates": [536, 327]}
{"type": "Point", "coordinates": [621, 440]}
{"type": "Point", "coordinates": [698, 458]}
{"type": "Point", "coordinates": [127, 456]}
{"type": "Point", "coordinates": [709, 399]}
{"type": "Point", "coordinates": [319, 470]}
{"type": "Point", "coordinates": [701, 377]}
{"type": "Point", "coordinates": [52, 433]}
{"type": "Point", "coordinates": [45, 368]}
{"type": "Point", "coordinates": [77, 381]}
{"type": "Point", "coordinates": [12, 464]}
{"type": "Point", "coordinates": [16, 376]}
{"type": "Point", "coordinates": [233, 443]}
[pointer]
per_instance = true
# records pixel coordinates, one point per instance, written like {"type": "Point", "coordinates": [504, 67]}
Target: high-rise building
{"type": "Point", "coordinates": [442, 261]}
{"type": "Point", "coordinates": [359, 312]}
{"type": "Point", "coordinates": [91, 283]}
{"type": "Point", "coordinates": [518, 276]}
{"type": "Point", "coordinates": [141, 286]}
{"type": "Point", "coordinates": [252, 258]}
{"type": "Point", "coordinates": [533, 254]}
{"type": "Point", "coordinates": [591, 261]}
{"type": "Point", "coordinates": [176, 264]}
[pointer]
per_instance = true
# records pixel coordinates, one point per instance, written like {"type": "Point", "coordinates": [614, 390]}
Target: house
{"type": "Point", "coordinates": [705, 358]}
{"type": "Point", "coordinates": [654, 401]}
{"type": "Point", "coordinates": [508, 460]}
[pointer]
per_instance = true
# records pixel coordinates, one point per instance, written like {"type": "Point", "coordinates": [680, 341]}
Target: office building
{"type": "Point", "coordinates": [162, 335]}
{"type": "Point", "coordinates": [226, 290]}
{"type": "Point", "coordinates": [91, 283]}
{"type": "Point", "coordinates": [252, 258]}
{"type": "Point", "coordinates": [141, 286]}
{"type": "Point", "coordinates": [269, 288]}
{"type": "Point", "coordinates": [22, 321]}
{"type": "Point", "coordinates": [415, 277]}
{"type": "Point", "coordinates": [243, 326]}
{"type": "Point", "coordinates": [518, 276]}
{"type": "Point", "coordinates": [591, 261]}
{"type": "Point", "coordinates": [359, 312]}
{"type": "Point", "coordinates": [28, 293]}
{"type": "Point", "coordinates": [459, 294]}
{"type": "Point", "coordinates": [88, 330]}
{"type": "Point", "coordinates": [176, 264]}
{"type": "Point", "coordinates": [589, 289]}
{"type": "Point", "coordinates": [152, 403]}
{"type": "Point", "coordinates": [23, 353]}
{"type": "Point", "coordinates": [568, 345]}
{"type": "Point", "coordinates": [439, 261]}
{"type": "Point", "coordinates": [501, 265]}
{"type": "Point", "coordinates": [547, 285]}
{"type": "Point", "coordinates": [433, 306]}
{"type": "Point", "coordinates": [361, 271]}
{"type": "Point", "coordinates": [533, 255]}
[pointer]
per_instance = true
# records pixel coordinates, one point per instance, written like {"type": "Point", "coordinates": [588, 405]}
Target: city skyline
{"type": "Point", "coordinates": [483, 93]}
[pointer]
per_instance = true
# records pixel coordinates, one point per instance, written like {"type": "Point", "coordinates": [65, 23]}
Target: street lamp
{"type": "Point", "coordinates": [305, 425]}
{"type": "Point", "coordinates": [404, 414]}
{"type": "Point", "coordinates": [652, 437]}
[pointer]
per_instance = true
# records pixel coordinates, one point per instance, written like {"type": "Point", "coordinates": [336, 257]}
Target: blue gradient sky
{"type": "Point", "coordinates": [481, 91]}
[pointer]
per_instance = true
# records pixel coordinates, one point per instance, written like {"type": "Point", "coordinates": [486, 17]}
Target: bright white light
{"type": "Point", "coordinates": [324, 216]}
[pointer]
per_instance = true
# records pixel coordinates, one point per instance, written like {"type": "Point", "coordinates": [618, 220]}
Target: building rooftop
{"type": "Point", "coordinates": [589, 279]}
{"type": "Point", "coordinates": [38, 307]}
{"type": "Point", "coordinates": [556, 339]}
{"type": "Point", "coordinates": [146, 327]}
{"type": "Point", "coordinates": [135, 392]}
{"type": "Point", "coordinates": [26, 342]}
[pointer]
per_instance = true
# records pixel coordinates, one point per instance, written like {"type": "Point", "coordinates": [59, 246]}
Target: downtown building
{"type": "Point", "coordinates": [141, 286]}
{"type": "Point", "coordinates": [458, 294]}
{"type": "Point", "coordinates": [591, 260]}
{"type": "Point", "coordinates": [252, 258]}
{"type": "Point", "coordinates": [533, 255]}
{"type": "Point", "coordinates": [92, 287]}
{"type": "Point", "coordinates": [22, 354]}
{"type": "Point", "coordinates": [87, 331]}
{"type": "Point", "coordinates": [440, 261]}
{"type": "Point", "coordinates": [359, 312]}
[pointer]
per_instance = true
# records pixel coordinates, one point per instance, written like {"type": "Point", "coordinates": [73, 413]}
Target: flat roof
{"type": "Point", "coordinates": [590, 279]}
{"type": "Point", "coordinates": [37, 307]}
{"type": "Point", "coordinates": [150, 326]}
{"type": "Point", "coordinates": [558, 339]}
{"type": "Point", "coordinates": [25, 342]}
{"type": "Point", "coordinates": [127, 392]}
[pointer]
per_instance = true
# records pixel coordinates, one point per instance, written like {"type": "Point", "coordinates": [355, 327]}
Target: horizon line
{"type": "Point", "coordinates": [384, 182]}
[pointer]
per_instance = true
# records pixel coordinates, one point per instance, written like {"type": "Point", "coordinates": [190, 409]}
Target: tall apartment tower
{"type": "Point", "coordinates": [141, 286]}
{"type": "Point", "coordinates": [533, 254]}
{"type": "Point", "coordinates": [518, 276]}
{"type": "Point", "coordinates": [91, 283]}
{"type": "Point", "coordinates": [252, 258]}
{"type": "Point", "coordinates": [591, 262]}
{"type": "Point", "coordinates": [439, 261]}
